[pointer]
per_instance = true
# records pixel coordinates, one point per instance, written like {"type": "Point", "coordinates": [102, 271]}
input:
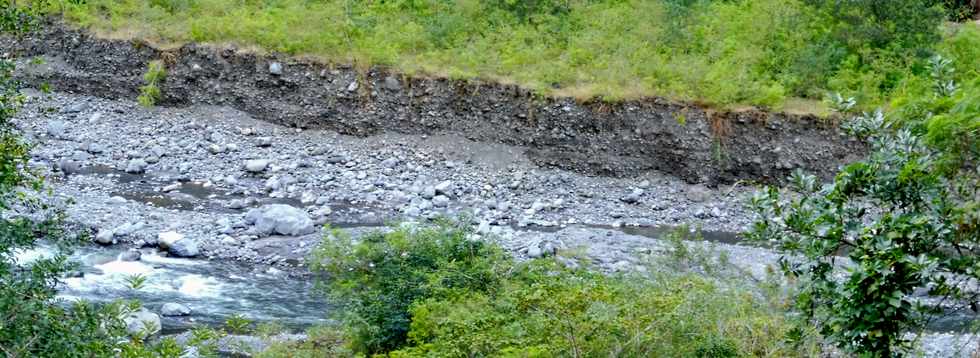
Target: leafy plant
{"type": "Point", "coordinates": [238, 324]}
{"type": "Point", "coordinates": [460, 297]}
{"type": "Point", "coordinates": [20, 19]}
{"type": "Point", "coordinates": [136, 282]}
{"type": "Point", "coordinates": [376, 280]}
{"type": "Point", "coordinates": [906, 218]}
{"type": "Point", "coordinates": [34, 323]}
{"type": "Point", "coordinates": [150, 92]}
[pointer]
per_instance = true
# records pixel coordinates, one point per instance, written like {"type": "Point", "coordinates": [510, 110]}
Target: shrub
{"type": "Point", "coordinates": [431, 291]}
{"type": "Point", "coordinates": [545, 309]}
{"type": "Point", "coordinates": [150, 92]}
{"type": "Point", "coordinates": [906, 218]}
{"type": "Point", "coordinates": [376, 280]}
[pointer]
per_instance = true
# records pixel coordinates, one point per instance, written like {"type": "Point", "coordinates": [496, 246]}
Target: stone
{"type": "Point", "coordinates": [104, 237]}
{"type": "Point", "coordinates": [129, 228]}
{"type": "Point", "coordinates": [69, 166]}
{"type": "Point", "coordinates": [171, 309]}
{"type": "Point", "coordinates": [136, 166]}
{"type": "Point", "coordinates": [389, 163]}
{"type": "Point", "coordinates": [534, 251]}
{"type": "Point", "coordinates": [55, 129]}
{"type": "Point", "coordinates": [440, 201]}
{"type": "Point", "coordinates": [275, 68]}
{"type": "Point", "coordinates": [392, 84]}
{"type": "Point", "coordinates": [444, 188]}
{"type": "Point", "coordinates": [264, 142]}
{"type": "Point", "coordinates": [93, 148]}
{"type": "Point", "coordinates": [256, 165]}
{"type": "Point", "coordinates": [130, 255]}
{"type": "Point", "coordinates": [428, 192]}
{"type": "Point", "coordinates": [75, 108]}
{"type": "Point", "coordinates": [167, 239]}
{"type": "Point", "coordinates": [698, 194]}
{"type": "Point", "coordinates": [216, 148]}
{"type": "Point", "coordinates": [142, 323]}
{"type": "Point", "coordinates": [185, 248]}
{"type": "Point", "coordinates": [353, 86]}
{"type": "Point", "coordinates": [633, 197]}
{"type": "Point", "coordinates": [171, 187]}
{"type": "Point", "coordinates": [238, 204]}
{"type": "Point", "coordinates": [280, 219]}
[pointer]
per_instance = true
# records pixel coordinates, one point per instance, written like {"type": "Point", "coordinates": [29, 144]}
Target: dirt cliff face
{"type": "Point", "coordinates": [614, 139]}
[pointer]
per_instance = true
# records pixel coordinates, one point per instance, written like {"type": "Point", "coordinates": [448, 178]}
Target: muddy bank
{"type": "Point", "coordinates": [622, 139]}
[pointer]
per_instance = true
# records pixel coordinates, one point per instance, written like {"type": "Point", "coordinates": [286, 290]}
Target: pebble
{"type": "Point", "coordinates": [256, 165]}
{"type": "Point", "coordinates": [136, 166]}
{"type": "Point", "coordinates": [275, 68]}
{"type": "Point", "coordinates": [440, 201]}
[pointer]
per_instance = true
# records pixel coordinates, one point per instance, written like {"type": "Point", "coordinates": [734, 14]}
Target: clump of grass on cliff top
{"type": "Point", "coordinates": [723, 53]}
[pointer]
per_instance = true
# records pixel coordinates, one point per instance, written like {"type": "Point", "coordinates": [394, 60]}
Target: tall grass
{"type": "Point", "coordinates": [724, 53]}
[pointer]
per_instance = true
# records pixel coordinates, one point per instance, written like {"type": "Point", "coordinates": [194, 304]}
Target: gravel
{"type": "Point", "coordinates": [211, 181]}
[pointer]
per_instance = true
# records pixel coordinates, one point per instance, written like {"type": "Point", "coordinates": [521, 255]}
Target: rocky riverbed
{"type": "Point", "coordinates": [231, 183]}
{"type": "Point", "coordinates": [211, 182]}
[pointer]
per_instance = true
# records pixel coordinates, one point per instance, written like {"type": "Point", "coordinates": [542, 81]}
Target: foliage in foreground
{"type": "Point", "coordinates": [757, 52]}
{"type": "Point", "coordinates": [33, 322]}
{"type": "Point", "coordinates": [907, 218]}
{"type": "Point", "coordinates": [433, 291]}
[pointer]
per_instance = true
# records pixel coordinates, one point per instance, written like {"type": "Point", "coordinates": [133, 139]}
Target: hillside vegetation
{"type": "Point", "coordinates": [768, 53]}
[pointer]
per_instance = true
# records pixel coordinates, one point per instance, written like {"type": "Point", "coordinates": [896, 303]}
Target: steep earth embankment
{"type": "Point", "coordinates": [615, 139]}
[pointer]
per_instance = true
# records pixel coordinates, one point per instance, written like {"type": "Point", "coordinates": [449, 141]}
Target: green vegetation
{"type": "Point", "coordinates": [908, 217]}
{"type": "Point", "coordinates": [33, 325]}
{"type": "Point", "coordinates": [433, 291]}
{"type": "Point", "coordinates": [150, 91]}
{"type": "Point", "coordinates": [724, 53]}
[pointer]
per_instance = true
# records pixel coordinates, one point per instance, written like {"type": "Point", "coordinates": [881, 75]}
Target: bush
{"type": "Point", "coordinates": [34, 324]}
{"type": "Point", "coordinates": [545, 309]}
{"type": "Point", "coordinates": [375, 281]}
{"type": "Point", "coordinates": [431, 291]}
{"type": "Point", "coordinates": [150, 91]}
{"type": "Point", "coordinates": [906, 218]}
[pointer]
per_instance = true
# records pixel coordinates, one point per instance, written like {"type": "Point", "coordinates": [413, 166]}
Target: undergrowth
{"type": "Point", "coordinates": [726, 53]}
{"type": "Point", "coordinates": [434, 291]}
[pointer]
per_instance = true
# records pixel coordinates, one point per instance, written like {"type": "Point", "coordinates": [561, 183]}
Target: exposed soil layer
{"type": "Point", "coordinates": [613, 139]}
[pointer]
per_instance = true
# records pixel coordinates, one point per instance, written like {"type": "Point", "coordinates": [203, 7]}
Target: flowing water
{"type": "Point", "coordinates": [213, 290]}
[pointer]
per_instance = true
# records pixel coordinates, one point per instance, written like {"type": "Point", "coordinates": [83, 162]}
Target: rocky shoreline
{"type": "Point", "coordinates": [136, 173]}
{"type": "Point", "coordinates": [687, 141]}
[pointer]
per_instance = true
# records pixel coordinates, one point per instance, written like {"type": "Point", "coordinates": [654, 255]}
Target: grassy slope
{"type": "Point", "coordinates": [726, 54]}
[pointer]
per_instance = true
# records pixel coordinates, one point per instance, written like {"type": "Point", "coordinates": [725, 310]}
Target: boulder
{"type": "Point", "coordinates": [142, 323]}
{"type": "Point", "coordinates": [174, 309]}
{"type": "Point", "coordinates": [256, 165]}
{"type": "Point", "coordinates": [185, 248]}
{"type": "Point", "coordinates": [280, 219]}
{"type": "Point", "coordinates": [166, 239]}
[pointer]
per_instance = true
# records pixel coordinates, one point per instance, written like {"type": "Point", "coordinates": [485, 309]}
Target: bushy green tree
{"type": "Point", "coordinates": [434, 292]}
{"type": "Point", "coordinates": [907, 220]}
{"type": "Point", "coordinates": [375, 281]}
